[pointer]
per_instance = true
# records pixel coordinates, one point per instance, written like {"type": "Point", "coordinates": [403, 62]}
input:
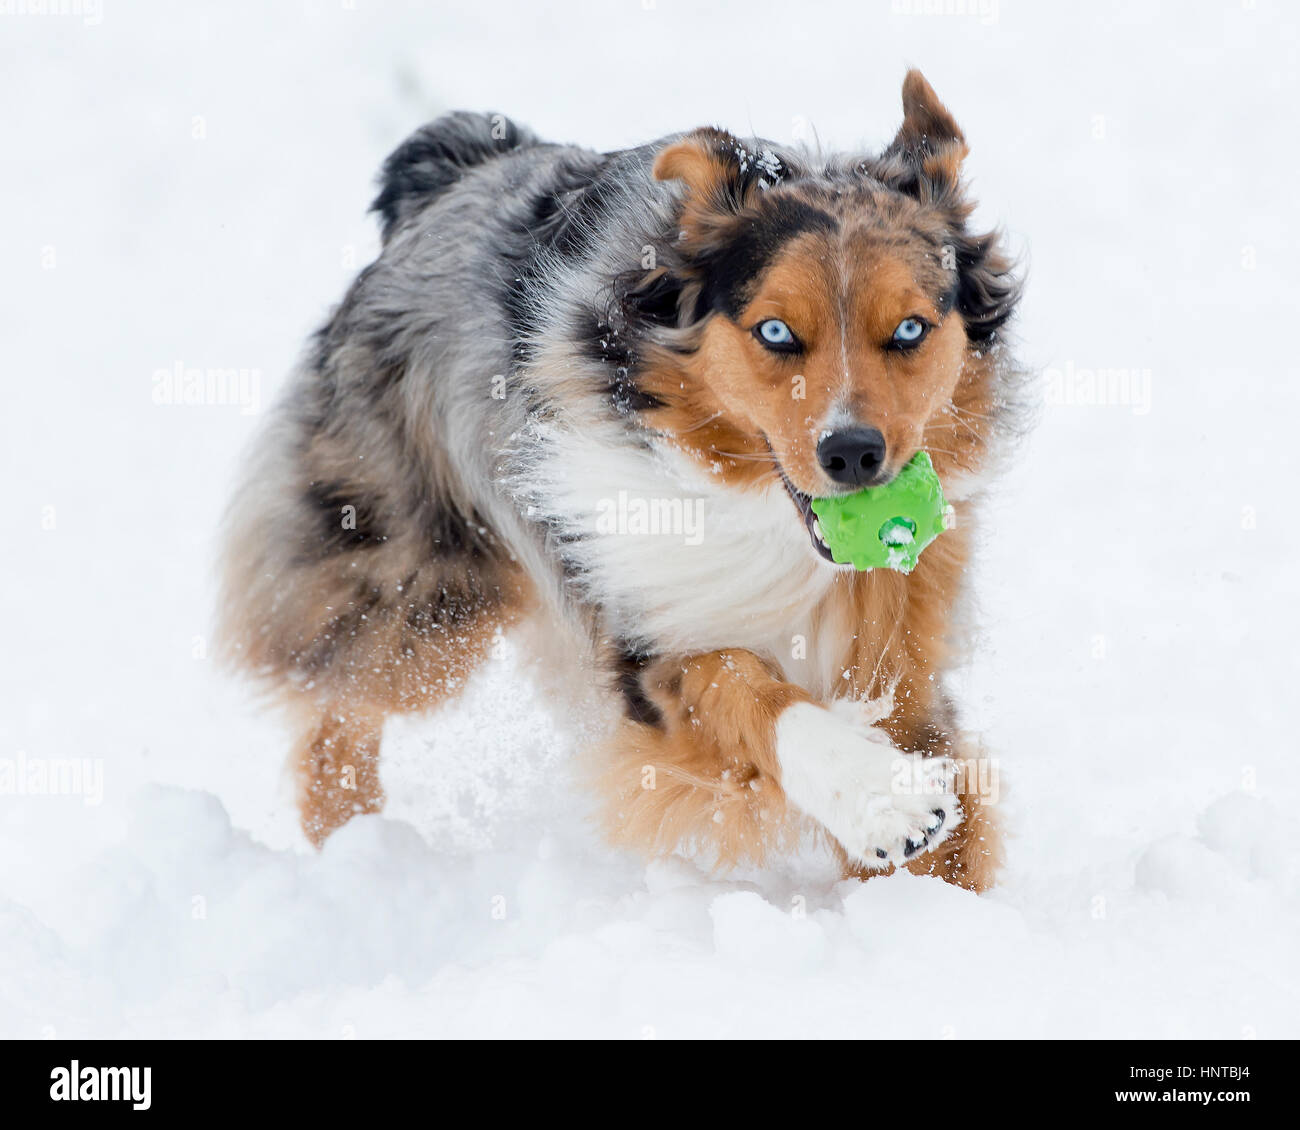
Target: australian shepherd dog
{"type": "Point", "coordinates": [586, 399]}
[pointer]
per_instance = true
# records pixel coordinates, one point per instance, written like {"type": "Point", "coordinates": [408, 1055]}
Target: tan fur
{"type": "Point", "coordinates": [710, 776]}
{"type": "Point", "coordinates": [337, 764]}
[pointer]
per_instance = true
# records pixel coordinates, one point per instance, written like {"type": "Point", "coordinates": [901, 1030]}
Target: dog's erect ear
{"type": "Point", "coordinates": [722, 176]}
{"type": "Point", "coordinates": [925, 119]}
{"type": "Point", "coordinates": [929, 147]}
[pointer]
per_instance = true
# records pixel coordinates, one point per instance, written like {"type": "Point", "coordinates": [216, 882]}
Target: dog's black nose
{"type": "Point", "coordinates": [853, 456]}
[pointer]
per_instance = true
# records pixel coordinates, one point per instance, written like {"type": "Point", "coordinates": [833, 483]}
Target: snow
{"type": "Point", "coordinates": [185, 189]}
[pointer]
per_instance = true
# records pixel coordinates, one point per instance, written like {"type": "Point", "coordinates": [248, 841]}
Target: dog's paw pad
{"type": "Point", "coordinates": [883, 806]}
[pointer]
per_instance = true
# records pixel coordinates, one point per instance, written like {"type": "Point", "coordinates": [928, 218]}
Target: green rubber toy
{"type": "Point", "coordinates": [886, 527]}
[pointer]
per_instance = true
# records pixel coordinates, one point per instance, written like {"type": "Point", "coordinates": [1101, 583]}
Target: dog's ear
{"type": "Point", "coordinates": [649, 297]}
{"type": "Point", "coordinates": [722, 177]}
{"type": "Point", "coordinates": [926, 120]}
{"type": "Point", "coordinates": [924, 160]}
{"type": "Point", "coordinates": [925, 157]}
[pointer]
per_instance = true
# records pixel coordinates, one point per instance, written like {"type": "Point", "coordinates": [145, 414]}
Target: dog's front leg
{"type": "Point", "coordinates": [730, 749]}
{"type": "Point", "coordinates": [906, 661]}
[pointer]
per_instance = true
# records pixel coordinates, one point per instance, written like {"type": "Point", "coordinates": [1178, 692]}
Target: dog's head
{"type": "Point", "coordinates": [826, 324]}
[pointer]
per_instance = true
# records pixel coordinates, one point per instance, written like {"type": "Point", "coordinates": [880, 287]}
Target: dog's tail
{"type": "Point", "coordinates": [433, 158]}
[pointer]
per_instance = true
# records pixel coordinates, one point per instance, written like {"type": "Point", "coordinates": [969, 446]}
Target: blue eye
{"type": "Point", "coordinates": [910, 331]}
{"type": "Point", "coordinates": [775, 334]}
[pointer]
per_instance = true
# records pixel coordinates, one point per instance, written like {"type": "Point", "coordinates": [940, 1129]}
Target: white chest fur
{"type": "Point", "coordinates": [679, 561]}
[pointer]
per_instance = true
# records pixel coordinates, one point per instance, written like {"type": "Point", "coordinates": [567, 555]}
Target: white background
{"type": "Point", "coordinates": [189, 182]}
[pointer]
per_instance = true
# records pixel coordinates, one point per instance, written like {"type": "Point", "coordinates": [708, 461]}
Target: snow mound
{"type": "Point", "coordinates": [187, 924]}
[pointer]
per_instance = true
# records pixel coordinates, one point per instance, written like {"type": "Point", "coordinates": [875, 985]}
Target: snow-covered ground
{"type": "Point", "coordinates": [186, 185]}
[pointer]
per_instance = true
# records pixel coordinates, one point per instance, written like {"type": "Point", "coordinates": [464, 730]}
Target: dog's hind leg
{"type": "Point", "coordinates": [346, 636]}
{"type": "Point", "coordinates": [398, 648]}
{"type": "Point", "coordinates": [336, 765]}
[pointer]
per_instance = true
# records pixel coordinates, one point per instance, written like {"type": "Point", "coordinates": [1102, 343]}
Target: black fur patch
{"type": "Point", "coordinates": [636, 704]}
{"type": "Point", "coordinates": [650, 298]}
{"type": "Point", "coordinates": [437, 155]}
{"type": "Point", "coordinates": [451, 609]}
{"type": "Point", "coordinates": [613, 350]}
{"type": "Point", "coordinates": [452, 535]}
{"type": "Point", "coordinates": [987, 289]}
{"type": "Point", "coordinates": [346, 519]}
{"type": "Point", "coordinates": [729, 272]}
{"type": "Point", "coordinates": [559, 223]}
{"type": "Point", "coordinates": [349, 519]}
{"type": "Point", "coordinates": [321, 652]}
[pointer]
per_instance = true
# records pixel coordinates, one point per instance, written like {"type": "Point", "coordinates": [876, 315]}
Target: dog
{"type": "Point", "coordinates": [586, 400]}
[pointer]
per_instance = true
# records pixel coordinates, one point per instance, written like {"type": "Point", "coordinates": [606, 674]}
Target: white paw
{"type": "Point", "coordinates": [884, 806]}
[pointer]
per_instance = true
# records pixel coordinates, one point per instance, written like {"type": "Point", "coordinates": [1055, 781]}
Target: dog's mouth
{"type": "Point", "coordinates": [803, 503]}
